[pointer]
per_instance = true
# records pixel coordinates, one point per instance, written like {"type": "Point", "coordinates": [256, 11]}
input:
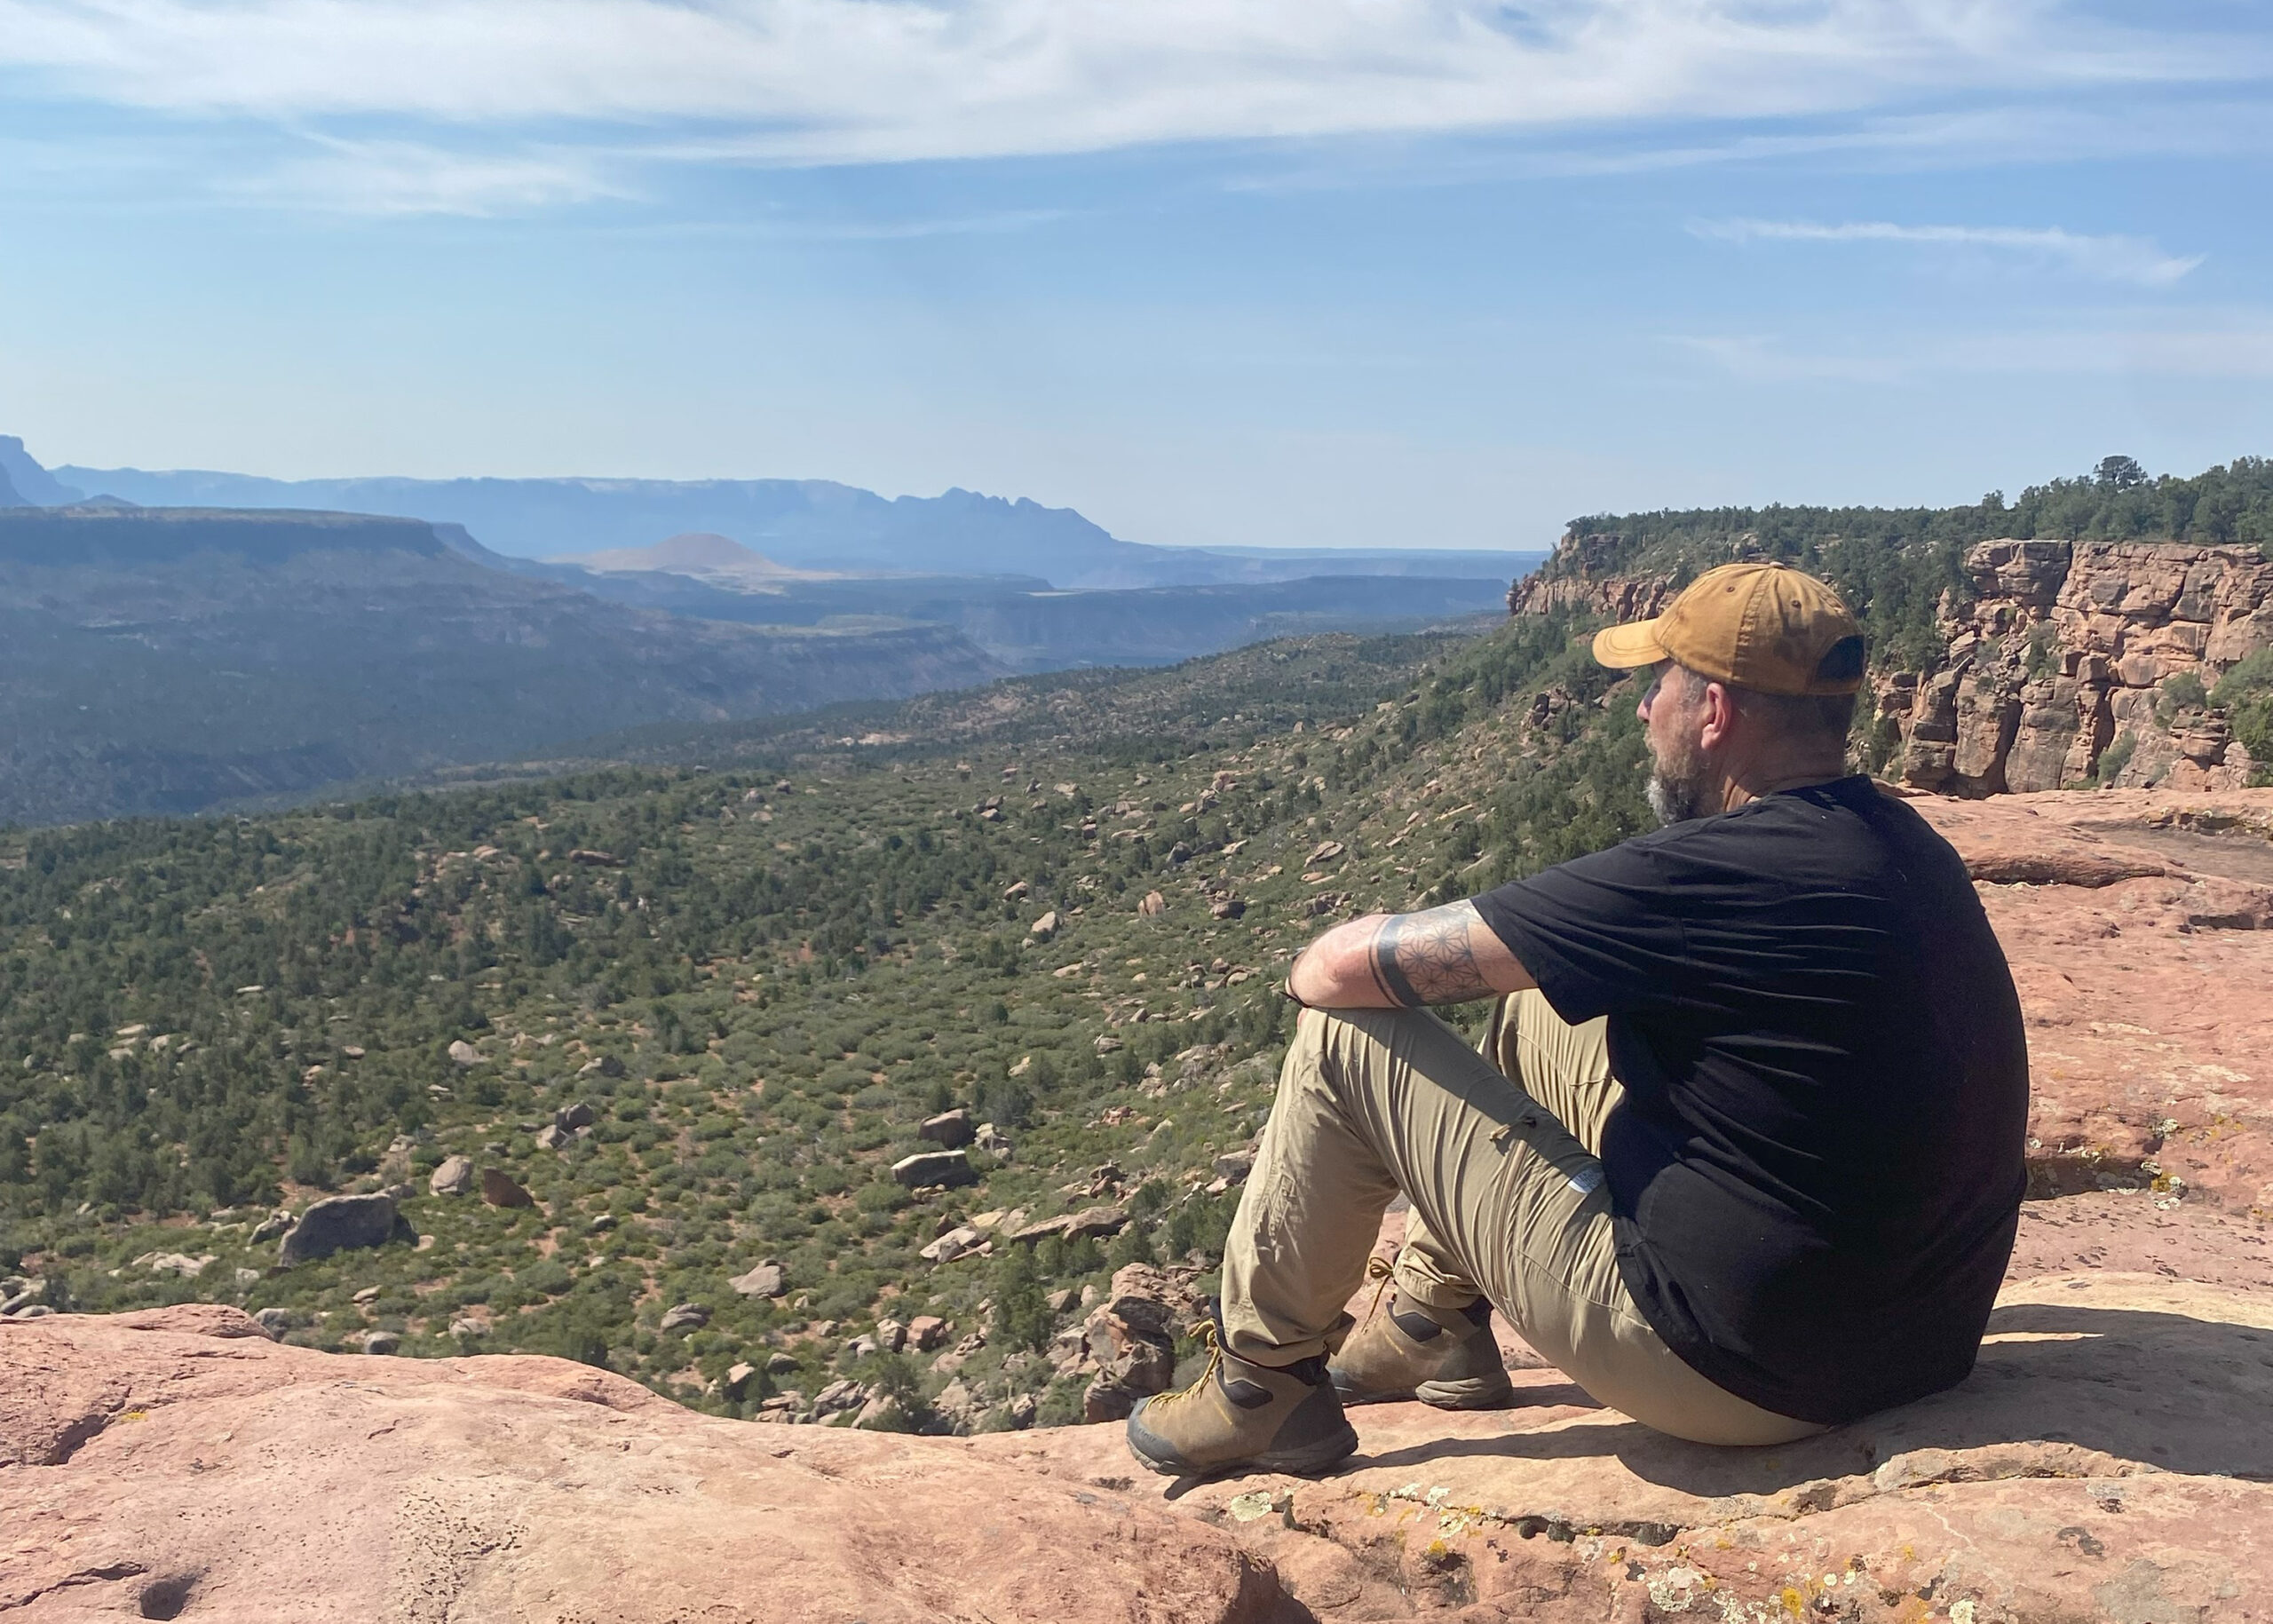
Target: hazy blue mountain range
{"type": "Point", "coordinates": [166, 661]}
{"type": "Point", "coordinates": [811, 524]}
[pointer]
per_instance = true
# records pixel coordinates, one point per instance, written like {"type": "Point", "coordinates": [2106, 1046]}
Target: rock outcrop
{"type": "Point", "coordinates": [338, 1223]}
{"type": "Point", "coordinates": [176, 1463]}
{"type": "Point", "coordinates": [2139, 924]}
{"type": "Point", "coordinates": [2056, 661]}
{"type": "Point", "coordinates": [2065, 649]}
{"type": "Point", "coordinates": [2107, 1461]}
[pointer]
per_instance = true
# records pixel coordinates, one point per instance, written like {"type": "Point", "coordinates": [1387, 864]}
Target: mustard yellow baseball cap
{"type": "Point", "coordinates": [1763, 626]}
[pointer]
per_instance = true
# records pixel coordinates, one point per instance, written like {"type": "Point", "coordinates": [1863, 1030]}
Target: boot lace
{"type": "Point", "coordinates": [1204, 1332]}
{"type": "Point", "coordinates": [1382, 1271]}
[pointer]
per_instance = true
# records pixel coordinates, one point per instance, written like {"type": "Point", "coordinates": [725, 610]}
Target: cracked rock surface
{"type": "Point", "coordinates": [176, 1463]}
{"type": "Point", "coordinates": [2108, 1459]}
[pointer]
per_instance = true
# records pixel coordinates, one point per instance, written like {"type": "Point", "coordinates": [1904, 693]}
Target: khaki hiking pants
{"type": "Point", "coordinates": [1496, 1152]}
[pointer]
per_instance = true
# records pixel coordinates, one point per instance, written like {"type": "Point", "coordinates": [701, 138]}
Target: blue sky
{"type": "Point", "coordinates": [1424, 272]}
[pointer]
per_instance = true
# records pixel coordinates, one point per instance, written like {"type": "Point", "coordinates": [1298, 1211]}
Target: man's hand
{"type": "Point", "coordinates": [1399, 961]}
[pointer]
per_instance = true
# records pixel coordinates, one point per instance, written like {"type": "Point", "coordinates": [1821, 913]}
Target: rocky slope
{"type": "Point", "coordinates": [2107, 1461]}
{"type": "Point", "coordinates": [2054, 654]}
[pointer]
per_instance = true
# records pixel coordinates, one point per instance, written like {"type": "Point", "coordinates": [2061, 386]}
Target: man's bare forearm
{"type": "Point", "coordinates": [1401, 961]}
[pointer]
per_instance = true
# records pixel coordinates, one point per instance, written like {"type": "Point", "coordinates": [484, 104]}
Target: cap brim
{"type": "Point", "coordinates": [1623, 647]}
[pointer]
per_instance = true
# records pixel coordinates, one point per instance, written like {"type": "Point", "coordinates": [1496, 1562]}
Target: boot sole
{"type": "Point", "coordinates": [1476, 1393]}
{"type": "Point", "coordinates": [1322, 1456]}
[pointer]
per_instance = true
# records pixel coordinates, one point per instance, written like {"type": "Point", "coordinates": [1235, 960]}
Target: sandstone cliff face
{"type": "Point", "coordinates": [2064, 651]}
{"type": "Point", "coordinates": [2061, 652]}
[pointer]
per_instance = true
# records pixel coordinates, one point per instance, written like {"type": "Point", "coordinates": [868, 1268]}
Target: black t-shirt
{"type": "Point", "coordinates": [1816, 1175]}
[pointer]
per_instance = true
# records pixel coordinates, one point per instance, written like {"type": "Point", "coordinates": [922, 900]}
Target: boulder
{"type": "Point", "coordinates": [1153, 905]}
{"type": "Point", "coordinates": [1046, 926]}
{"type": "Point", "coordinates": [685, 1317]}
{"type": "Point", "coordinates": [947, 1168]}
{"type": "Point", "coordinates": [1131, 1339]}
{"type": "Point", "coordinates": [603, 1065]}
{"type": "Point", "coordinates": [892, 1336]}
{"type": "Point", "coordinates": [1091, 1222]}
{"type": "Point", "coordinates": [568, 1119]}
{"type": "Point", "coordinates": [275, 1223]}
{"type": "Point", "coordinates": [765, 1279]}
{"type": "Point", "coordinates": [454, 1177]}
{"type": "Point", "coordinates": [737, 1378]}
{"type": "Point", "coordinates": [499, 1189]}
{"type": "Point", "coordinates": [274, 1322]}
{"type": "Point", "coordinates": [950, 1130]}
{"type": "Point", "coordinates": [1233, 1166]}
{"type": "Point", "coordinates": [551, 1136]}
{"type": "Point", "coordinates": [926, 1332]}
{"type": "Point", "coordinates": [338, 1224]}
{"type": "Point", "coordinates": [955, 1404]}
{"type": "Point", "coordinates": [381, 1341]}
{"type": "Point", "coordinates": [463, 1053]}
{"type": "Point", "coordinates": [957, 1242]}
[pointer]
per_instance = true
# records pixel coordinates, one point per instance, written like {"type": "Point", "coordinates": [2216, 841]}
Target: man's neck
{"type": "Point", "coordinates": [1753, 785]}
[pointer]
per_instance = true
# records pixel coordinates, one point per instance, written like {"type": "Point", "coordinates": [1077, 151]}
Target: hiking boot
{"type": "Point", "coordinates": [1242, 1416]}
{"type": "Point", "coordinates": [1405, 1349]}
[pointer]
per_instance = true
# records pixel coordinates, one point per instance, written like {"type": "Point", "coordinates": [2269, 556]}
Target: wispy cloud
{"type": "Point", "coordinates": [2110, 258]}
{"type": "Point", "coordinates": [408, 177]}
{"type": "Point", "coordinates": [2239, 349]}
{"type": "Point", "coordinates": [828, 81]}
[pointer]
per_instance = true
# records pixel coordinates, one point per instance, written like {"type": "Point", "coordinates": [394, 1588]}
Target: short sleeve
{"type": "Point", "coordinates": [1596, 932]}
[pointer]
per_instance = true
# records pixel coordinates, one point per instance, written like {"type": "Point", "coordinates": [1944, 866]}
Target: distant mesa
{"type": "Point", "coordinates": [24, 483]}
{"type": "Point", "coordinates": [703, 554]}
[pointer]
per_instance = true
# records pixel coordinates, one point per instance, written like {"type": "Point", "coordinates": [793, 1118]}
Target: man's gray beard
{"type": "Point", "coordinates": [1676, 790]}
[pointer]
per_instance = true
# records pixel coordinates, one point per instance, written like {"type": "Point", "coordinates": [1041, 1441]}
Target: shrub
{"type": "Point", "coordinates": [2183, 692]}
{"type": "Point", "coordinates": [2116, 756]}
{"type": "Point", "coordinates": [2246, 693]}
{"type": "Point", "coordinates": [1022, 1317]}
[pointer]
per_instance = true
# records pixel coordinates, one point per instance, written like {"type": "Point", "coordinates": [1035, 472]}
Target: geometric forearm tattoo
{"type": "Point", "coordinates": [1426, 957]}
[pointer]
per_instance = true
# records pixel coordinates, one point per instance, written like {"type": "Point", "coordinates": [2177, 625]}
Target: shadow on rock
{"type": "Point", "coordinates": [2062, 1389]}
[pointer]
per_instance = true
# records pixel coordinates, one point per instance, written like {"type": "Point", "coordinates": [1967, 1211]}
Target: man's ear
{"type": "Point", "coordinates": [1716, 716]}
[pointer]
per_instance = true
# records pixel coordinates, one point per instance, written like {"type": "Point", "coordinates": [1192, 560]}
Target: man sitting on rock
{"type": "Point", "coordinates": [1742, 1153]}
